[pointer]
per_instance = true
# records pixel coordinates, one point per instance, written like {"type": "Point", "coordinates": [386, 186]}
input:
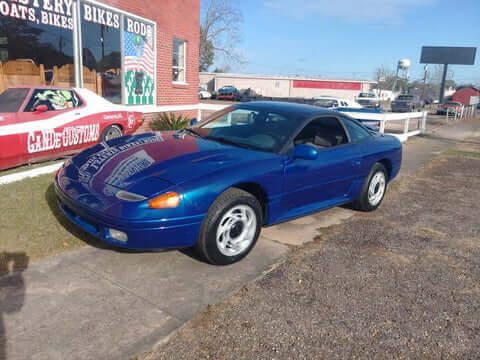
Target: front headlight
{"type": "Point", "coordinates": [128, 196]}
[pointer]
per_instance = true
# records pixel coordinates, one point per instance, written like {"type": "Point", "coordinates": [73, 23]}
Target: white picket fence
{"type": "Point", "coordinates": [406, 118]}
{"type": "Point", "coordinates": [380, 118]}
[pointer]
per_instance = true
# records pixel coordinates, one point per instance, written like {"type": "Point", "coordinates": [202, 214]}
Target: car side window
{"type": "Point", "coordinates": [55, 100]}
{"type": "Point", "coordinates": [324, 132]}
{"type": "Point", "coordinates": [357, 132]}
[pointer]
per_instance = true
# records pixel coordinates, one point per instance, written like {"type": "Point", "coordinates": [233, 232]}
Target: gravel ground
{"type": "Point", "coordinates": [403, 282]}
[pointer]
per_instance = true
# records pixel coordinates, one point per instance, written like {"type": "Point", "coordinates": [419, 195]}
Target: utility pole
{"type": "Point", "coordinates": [425, 75]}
{"type": "Point", "coordinates": [442, 85]}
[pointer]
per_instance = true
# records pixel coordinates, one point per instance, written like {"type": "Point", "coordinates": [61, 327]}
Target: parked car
{"type": "Point", "coordinates": [331, 102]}
{"type": "Point", "coordinates": [228, 93]}
{"type": "Point", "coordinates": [42, 123]}
{"type": "Point", "coordinates": [203, 93]}
{"type": "Point", "coordinates": [452, 107]}
{"type": "Point", "coordinates": [369, 100]}
{"type": "Point", "coordinates": [407, 103]}
{"type": "Point", "coordinates": [215, 185]}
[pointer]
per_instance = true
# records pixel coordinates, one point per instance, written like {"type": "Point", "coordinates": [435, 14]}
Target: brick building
{"type": "Point", "coordinates": [142, 54]}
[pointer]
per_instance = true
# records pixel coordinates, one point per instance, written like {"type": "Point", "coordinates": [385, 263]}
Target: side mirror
{"type": "Point", "coordinates": [41, 108]}
{"type": "Point", "coordinates": [305, 152]}
{"type": "Point", "coordinates": [193, 122]}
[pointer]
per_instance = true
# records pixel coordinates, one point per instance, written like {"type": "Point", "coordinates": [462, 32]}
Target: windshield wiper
{"type": "Point", "coordinates": [183, 131]}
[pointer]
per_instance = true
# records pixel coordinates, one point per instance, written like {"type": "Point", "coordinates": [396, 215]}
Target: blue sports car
{"type": "Point", "coordinates": [214, 185]}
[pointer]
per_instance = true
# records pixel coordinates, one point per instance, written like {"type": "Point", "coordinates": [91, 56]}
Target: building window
{"type": "Point", "coordinates": [179, 60]}
{"type": "Point", "coordinates": [101, 55]}
{"type": "Point", "coordinates": [118, 49]}
{"type": "Point", "coordinates": [34, 53]}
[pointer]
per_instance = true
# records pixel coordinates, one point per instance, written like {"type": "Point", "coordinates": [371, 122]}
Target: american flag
{"type": "Point", "coordinates": [146, 59]}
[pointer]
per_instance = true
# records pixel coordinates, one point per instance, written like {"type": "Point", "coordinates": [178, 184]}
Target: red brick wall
{"type": "Point", "coordinates": [149, 117]}
{"type": "Point", "coordinates": [174, 18]}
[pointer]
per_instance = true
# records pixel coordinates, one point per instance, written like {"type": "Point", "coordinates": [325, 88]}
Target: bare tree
{"type": "Point", "coordinates": [219, 33]}
{"type": "Point", "coordinates": [385, 78]}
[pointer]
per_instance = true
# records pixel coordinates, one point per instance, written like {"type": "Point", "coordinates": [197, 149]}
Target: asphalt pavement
{"type": "Point", "coordinates": [97, 303]}
{"type": "Point", "coordinates": [399, 283]}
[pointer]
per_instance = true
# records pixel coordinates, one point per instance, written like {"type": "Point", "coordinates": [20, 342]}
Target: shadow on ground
{"type": "Point", "coordinates": [12, 290]}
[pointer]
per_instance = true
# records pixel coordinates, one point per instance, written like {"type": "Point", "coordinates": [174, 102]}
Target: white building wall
{"type": "Point", "coordinates": [310, 93]}
{"type": "Point", "coordinates": [271, 86]}
{"type": "Point", "coordinates": [265, 87]}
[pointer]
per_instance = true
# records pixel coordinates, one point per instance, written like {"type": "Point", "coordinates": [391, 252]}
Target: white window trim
{"type": "Point", "coordinates": [79, 59]}
{"type": "Point", "coordinates": [184, 63]}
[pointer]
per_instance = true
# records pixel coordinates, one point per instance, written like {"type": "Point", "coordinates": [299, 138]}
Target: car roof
{"type": "Point", "coordinates": [302, 110]}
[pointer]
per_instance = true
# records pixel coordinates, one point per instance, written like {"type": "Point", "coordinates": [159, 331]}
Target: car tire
{"type": "Point", "coordinates": [235, 215]}
{"type": "Point", "coordinates": [374, 189]}
{"type": "Point", "coordinates": [111, 132]}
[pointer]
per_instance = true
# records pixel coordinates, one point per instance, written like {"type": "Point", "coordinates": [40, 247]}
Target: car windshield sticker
{"type": "Point", "coordinates": [57, 99]}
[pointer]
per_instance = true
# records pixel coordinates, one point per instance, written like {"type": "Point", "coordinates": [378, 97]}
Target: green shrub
{"type": "Point", "coordinates": [169, 121]}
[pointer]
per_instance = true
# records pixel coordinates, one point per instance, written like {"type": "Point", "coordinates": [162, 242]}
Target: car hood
{"type": "Point", "coordinates": [151, 163]}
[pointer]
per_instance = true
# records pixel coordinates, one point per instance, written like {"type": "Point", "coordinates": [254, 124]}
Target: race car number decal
{"type": "Point", "coordinates": [47, 140]}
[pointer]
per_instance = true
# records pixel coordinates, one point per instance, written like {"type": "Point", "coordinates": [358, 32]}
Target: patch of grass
{"type": "Point", "coordinates": [462, 153]}
{"type": "Point", "coordinates": [31, 224]}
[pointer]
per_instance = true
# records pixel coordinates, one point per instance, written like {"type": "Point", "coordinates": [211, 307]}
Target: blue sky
{"type": "Point", "coordinates": [350, 38]}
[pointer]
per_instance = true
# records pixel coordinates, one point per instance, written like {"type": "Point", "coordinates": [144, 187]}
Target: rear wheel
{"type": "Point", "coordinates": [373, 190]}
{"type": "Point", "coordinates": [111, 132]}
{"type": "Point", "coordinates": [230, 228]}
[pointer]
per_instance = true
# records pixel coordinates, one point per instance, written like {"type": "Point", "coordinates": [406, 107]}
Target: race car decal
{"type": "Point", "coordinates": [96, 163]}
{"type": "Point", "coordinates": [50, 139]}
{"type": "Point", "coordinates": [133, 164]}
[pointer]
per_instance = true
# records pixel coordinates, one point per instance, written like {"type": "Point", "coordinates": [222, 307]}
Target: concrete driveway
{"type": "Point", "coordinates": [104, 304]}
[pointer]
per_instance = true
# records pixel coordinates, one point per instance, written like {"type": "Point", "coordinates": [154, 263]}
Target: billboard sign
{"type": "Point", "coordinates": [474, 100]}
{"type": "Point", "coordinates": [448, 55]}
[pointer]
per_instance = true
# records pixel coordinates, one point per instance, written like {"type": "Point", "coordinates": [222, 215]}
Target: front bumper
{"type": "Point", "coordinates": [142, 235]}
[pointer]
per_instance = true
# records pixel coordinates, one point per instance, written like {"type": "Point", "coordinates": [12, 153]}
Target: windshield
{"type": "Point", "coordinates": [405, 97]}
{"type": "Point", "coordinates": [326, 103]}
{"type": "Point", "coordinates": [366, 95]}
{"type": "Point", "coordinates": [248, 128]}
{"type": "Point", "coordinates": [12, 99]}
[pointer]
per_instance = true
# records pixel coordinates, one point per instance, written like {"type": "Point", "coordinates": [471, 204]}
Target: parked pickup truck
{"type": "Point", "coordinates": [368, 100]}
{"type": "Point", "coordinates": [407, 103]}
